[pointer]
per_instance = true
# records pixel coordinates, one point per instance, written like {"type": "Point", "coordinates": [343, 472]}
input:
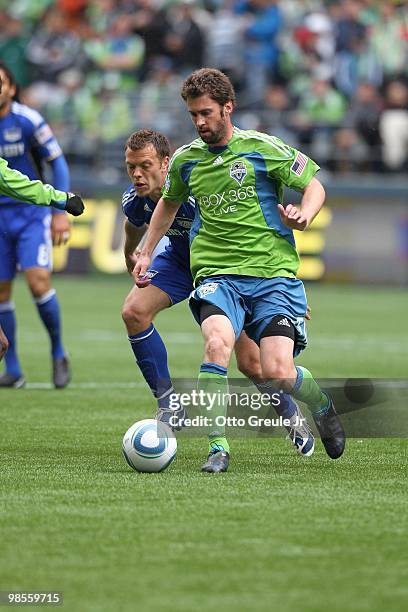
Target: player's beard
{"type": "Point", "coordinates": [217, 134]}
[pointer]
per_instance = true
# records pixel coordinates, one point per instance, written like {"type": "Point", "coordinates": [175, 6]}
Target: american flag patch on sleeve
{"type": "Point", "coordinates": [299, 164]}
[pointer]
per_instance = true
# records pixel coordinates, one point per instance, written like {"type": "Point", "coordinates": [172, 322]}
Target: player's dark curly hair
{"type": "Point", "coordinates": [209, 82]}
{"type": "Point", "coordinates": [141, 138]}
{"type": "Point", "coordinates": [11, 79]}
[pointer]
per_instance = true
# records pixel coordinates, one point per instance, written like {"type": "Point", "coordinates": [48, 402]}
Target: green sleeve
{"type": "Point", "coordinates": [19, 187]}
{"type": "Point", "coordinates": [289, 165]}
{"type": "Point", "coordinates": [175, 188]}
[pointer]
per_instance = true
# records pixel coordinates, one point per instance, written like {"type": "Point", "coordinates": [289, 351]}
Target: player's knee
{"type": "Point", "coordinates": [279, 369]}
{"type": "Point", "coordinates": [217, 349]}
{"type": "Point", "coordinates": [39, 286]}
{"type": "Point", "coordinates": [249, 367]}
{"type": "Point", "coordinates": [134, 315]}
{"type": "Point", "coordinates": [5, 292]}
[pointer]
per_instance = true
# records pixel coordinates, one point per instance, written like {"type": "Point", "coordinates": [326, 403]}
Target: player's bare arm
{"type": "Point", "coordinates": [162, 218]}
{"type": "Point", "coordinates": [60, 229]}
{"type": "Point", "coordinates": [300, 217]}
{"type": "Point", "coordinates": [132, 248]}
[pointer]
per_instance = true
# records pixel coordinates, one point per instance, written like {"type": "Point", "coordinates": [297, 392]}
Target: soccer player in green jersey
{"type": "Point", "coordinates": [243, 254]}
{"type": "Point", "coordinates": [170, 282]}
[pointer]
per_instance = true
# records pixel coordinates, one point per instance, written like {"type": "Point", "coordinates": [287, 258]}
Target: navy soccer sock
{"type": "Point", "coordinates": [286, 407]}
{"type": "Point", "coordinates": [151, 357]}
{"type": "Point", "coordinates": [8, 323]}
{"type": "Point", "coordinates": [49, 311]}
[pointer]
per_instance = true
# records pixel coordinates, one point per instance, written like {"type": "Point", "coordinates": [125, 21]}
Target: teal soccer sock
{"type": "Point", "coordinates": [213, 381]}
{"type": "Point", "coordinates": [308, 391]}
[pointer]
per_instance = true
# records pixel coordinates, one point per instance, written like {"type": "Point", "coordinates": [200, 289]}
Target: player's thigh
{"type": "Point", "coordinates": [218, 326]}
{"type": "Point", "coordinates": [248, 357]}
{"type": "Point", "coordinates": [219, 339]}
{"type": "Point", "coordinates": [34, 245]}
{"type": "Point", "coordinates": [220, 293]}
{"type": "Point", "coordinates": [38, 280]}
{"type": "Point", "coordinates": [145, 303]}
{"type": "Point", "coordinates": [276, 354]}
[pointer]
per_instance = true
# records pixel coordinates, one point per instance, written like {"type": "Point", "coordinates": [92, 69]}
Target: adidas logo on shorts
{"type": "Point", "coordinates": [284, 322]}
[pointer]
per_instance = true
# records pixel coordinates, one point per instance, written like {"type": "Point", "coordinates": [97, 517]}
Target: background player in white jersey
{"type": "Point", "coordinates": [243, 254]}
{"type": "Point", "coordinates": [169, 282]}
{"type": "Point", "coordinates": [26, 234]}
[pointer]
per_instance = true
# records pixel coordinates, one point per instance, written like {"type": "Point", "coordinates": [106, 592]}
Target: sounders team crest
{"type": "Point", "coordinates": [238, 171]}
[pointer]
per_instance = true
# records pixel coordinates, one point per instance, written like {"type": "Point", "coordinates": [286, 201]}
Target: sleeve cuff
{"type": "Point", "coordinates": [60, 206]}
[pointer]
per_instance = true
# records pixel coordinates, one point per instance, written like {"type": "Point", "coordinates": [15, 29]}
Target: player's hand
{"type": "Point", "coordinates": [292, 217]}
{"type": "Point", "coordinates": [140, 271]}
{"type": "Point", "coordinates": [74, 205]}
{"type": "Point", "coordinates": [60, 229]}
{"type": "Point", "coordinates": [3, 344]}
{"type": "Point", "coordinates": [131, 259]}
{"type": "Point", "coordinates": [308, 314]}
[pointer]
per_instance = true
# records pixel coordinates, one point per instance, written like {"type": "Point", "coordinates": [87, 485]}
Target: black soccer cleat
{"type": "Point", "coordinates": [217, 461]}
{"type": "Point", "coordinates": [331, 432]}
{"type": "Point", "coordinates": [61, 372]}
{"type": "Point", "coordinates": [12, 382]}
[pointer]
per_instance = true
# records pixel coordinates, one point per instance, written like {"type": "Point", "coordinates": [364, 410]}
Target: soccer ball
{"type": "Point", "coordinates": [149, 446]}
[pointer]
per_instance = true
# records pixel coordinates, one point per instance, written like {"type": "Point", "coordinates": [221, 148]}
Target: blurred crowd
{"type": "Point", "coordinates": [328, 76]}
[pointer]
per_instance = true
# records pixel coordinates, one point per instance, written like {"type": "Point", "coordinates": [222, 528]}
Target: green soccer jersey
{"type": "Point", "coordinates": [18, 186]}
{"type": "Point", "coordinates": [237, 228]}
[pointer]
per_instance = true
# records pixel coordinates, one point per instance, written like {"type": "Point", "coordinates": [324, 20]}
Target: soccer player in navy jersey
{"type": "Point", "coordinates": [169, 282]}
{"type": "Point", "coordinates": [27, 233]}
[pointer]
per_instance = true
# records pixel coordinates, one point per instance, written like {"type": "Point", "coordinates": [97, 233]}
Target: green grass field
{"type": "Point", "coordinates": [275, 533]}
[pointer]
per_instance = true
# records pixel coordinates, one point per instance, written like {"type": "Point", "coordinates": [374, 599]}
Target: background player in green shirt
{"type": "Point", "coordinates": [16, 185]}
{"type": "Point", "coordinates": [243, 254]}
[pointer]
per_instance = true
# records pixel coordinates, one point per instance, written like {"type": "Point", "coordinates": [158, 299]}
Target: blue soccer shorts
{"type": "Point", "coordinates": [251, 303]}
{"type": "Point", "coordinates": [25, 239]}
{"type": "Point", "coordinates": [171, 276]}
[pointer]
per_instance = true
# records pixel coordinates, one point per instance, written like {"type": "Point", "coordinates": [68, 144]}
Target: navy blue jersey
{"type": "Point", "coordinates": [24, 132]}
{"type": "Point", "coordinates": [139, 212]}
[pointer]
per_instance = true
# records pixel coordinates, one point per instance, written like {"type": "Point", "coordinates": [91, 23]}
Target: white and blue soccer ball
{"type": "Point", "coordinates": [149, 446]}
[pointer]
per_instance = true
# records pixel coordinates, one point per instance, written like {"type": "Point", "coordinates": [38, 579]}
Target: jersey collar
{"type": "Point", "coordinates": [224, 147]}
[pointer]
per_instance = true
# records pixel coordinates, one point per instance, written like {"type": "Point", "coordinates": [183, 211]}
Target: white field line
{"type": "Point", "coordinates": [90, 385]}
{"type": "Point", "coordinates": [393, 384]}
{"type": "Point", "coordinates": [324, 341]}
